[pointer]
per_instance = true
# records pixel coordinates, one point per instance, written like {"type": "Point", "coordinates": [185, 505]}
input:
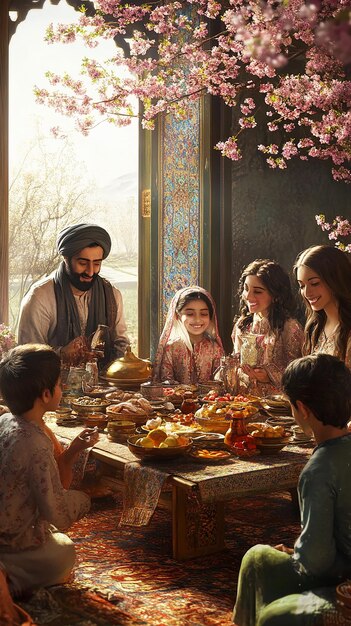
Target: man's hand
{"type": "Point", "coordinates": [76, 351]}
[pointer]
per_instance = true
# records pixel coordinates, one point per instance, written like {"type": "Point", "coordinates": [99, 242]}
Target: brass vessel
{"type": "Point", "coordinates": [129, 367]}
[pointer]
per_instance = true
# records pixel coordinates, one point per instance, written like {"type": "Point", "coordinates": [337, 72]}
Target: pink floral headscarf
{"type": "Point", "coordinates": [175, 329]}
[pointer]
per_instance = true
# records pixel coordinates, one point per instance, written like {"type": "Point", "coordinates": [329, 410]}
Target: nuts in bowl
{"type": "Point", "coordinates": [85, 404]}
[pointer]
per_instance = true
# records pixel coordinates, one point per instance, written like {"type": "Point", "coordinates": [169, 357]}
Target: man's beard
{"type": "Point", "coordinates": [75, 278]}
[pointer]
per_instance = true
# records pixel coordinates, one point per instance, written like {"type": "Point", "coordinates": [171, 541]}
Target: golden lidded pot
{"type": "Point", "coordinates": [129, 368]}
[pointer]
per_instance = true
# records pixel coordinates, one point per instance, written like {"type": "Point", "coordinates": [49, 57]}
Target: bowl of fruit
{"type": "Point", "coordinates": [269, 439]}
{"type": "Point", "coordinates": [158, 445]}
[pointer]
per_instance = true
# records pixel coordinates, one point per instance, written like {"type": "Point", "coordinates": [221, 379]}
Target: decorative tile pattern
{"type": "Point", "coordinates": [179, 205]}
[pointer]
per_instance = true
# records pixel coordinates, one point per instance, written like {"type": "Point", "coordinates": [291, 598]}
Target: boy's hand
{"type": "Point", "coordinates": [86, 439]}
{"type": "Point", "coordinates": [282, 548]}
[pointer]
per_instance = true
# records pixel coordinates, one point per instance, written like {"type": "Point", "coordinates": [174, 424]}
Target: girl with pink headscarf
{"type": "Point", "coordinates": [190, 347]}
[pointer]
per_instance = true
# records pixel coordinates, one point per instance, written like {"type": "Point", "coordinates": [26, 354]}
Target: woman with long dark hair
{"type": "Point", "coordinates": [266, 313]}
{"type": "Point", "coordinates": [324, 277]}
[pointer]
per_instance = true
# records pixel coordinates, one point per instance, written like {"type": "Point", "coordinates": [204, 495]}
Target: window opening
{"type": "Point", "coordinates": [57, 182]}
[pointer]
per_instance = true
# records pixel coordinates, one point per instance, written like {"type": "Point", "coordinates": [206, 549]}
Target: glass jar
{"type": "Point", "coordinates": [189, 405]}
{"type": "Point", "coordinates": [92, 375]}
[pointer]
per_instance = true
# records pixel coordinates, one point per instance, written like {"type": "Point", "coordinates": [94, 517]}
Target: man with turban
{"type": "Point", "coordinates": [65, 308]}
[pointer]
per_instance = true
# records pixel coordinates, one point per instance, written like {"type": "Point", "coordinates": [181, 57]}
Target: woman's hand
{"type": "Point", "coordinates": [282, 548]}
{"type": "Point", "coordinates": [256, 373]}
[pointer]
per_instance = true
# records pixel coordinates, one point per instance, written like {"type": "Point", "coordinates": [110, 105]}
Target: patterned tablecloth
{"type": "Point", "coordinates": [227, 480]}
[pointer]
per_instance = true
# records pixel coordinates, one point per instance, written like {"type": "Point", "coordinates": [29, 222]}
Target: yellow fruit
{"type": "Point", "coordinates": [146, 442]}
{"type": "Point", "coordinates": [171, 441]}
{"type": "Point", "coordinates": [163, 445]}
{"type": "Point", "coordinates": [157, 435]}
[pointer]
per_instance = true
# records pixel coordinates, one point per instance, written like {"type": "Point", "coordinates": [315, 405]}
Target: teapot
{"type": "Point", "coordinates": [129, 367]}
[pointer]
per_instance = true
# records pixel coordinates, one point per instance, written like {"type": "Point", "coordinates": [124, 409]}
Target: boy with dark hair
{"type": "Point", "coordinates": [34, 506]}
{"type": "Point", "coordinates": [281, 586]}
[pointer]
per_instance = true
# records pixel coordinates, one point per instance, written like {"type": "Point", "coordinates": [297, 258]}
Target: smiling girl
{"type": "Point", "coordinates": [324, 277]}
{"type": "Point", "coordinates": [190, 347]}
{"type": "Point", "coordinates": [267, 310]}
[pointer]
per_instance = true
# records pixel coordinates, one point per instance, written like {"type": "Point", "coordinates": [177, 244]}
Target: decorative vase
{"type": "Point", "coordinates": [237, 437]}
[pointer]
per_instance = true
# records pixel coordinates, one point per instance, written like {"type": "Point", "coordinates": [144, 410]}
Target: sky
{"type": "Point", "coordinates": [108, 152]}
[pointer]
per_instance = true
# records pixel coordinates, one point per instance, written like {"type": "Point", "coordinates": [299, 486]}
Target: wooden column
{"type": "Point", "coordinates": [4, 185]}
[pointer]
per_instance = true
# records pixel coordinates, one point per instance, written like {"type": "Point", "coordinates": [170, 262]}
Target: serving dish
{"type": "Point", "coordinates": [119, 431]}
{"type": "Point", "coordinates": [281, 420]}
{"type": "Point", "coordinates": [113, 414]}
{"type": "Point", "coordinates": [212, 441]}
{"type": "Point", "coordinates": [343, 593]}
{"type": "Point", "coordinates": [173, 428]}
{"type": "Point", "coordinates": [84, 405]}
{"type": "Point", "coordinates": [69, 421]}
{"type": "Point", "coordinates": [138, 419]}
{"type": "Point", "coordinates": [120, 395]}
{"type": "Point", "coordinates": [207, 455]}
{"type": "Point", "coordinates": [343, 600]}
{"type": "Point", "coordinates": [276, 405]}
{"type": "Point", "coordinates": [213, 425]}
{"type": "Point", "coordinates": [95, 419]}
{"type": "Point", "coordinates": [157, 454]}
{"type": "Point", "coordinates": [268, 445]}
{"type": "Point", "coordinates": [219, 420]}
{"type": "Point", "coordinates": [127, 383]}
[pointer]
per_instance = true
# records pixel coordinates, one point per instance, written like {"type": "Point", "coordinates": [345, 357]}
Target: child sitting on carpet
{"type": "Point", "coordinates": [190, 347]}
{"type": "Point", "coordinates": [290, 587]}
{"type": "Point", "coordinates": [33, 502]}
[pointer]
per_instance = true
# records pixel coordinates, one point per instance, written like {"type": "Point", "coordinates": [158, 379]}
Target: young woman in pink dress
{"type": "Point", "coordinates": [190, 347]}
{"type": "Point", "coordinates": [324, 277]}
{"type": "Point", "coordinates": [266, 311]}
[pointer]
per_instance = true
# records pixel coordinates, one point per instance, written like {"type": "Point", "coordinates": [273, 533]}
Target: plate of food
{"type": "Point", "coordinates": [206, 455]}
{"type": "Point", "coordinates": [209, 440]}
{"type": "Point", "coordinates": [85, 404]}
{"type": "Point", "coordinates": [170, 427]}
{"type": "Point", "coordinates": [271, 446]}
{"type": "Point", "coordinates": [69, 421]}
{"type": "Point", "coordinates": [262, 430]}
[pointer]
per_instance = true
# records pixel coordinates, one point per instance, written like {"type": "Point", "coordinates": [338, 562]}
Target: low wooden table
{"type": "Point", "coordinates": [196, 493]}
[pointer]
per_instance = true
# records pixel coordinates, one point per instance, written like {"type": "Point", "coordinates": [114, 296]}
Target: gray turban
{"type": "Point", "coordinates": [74, 238]}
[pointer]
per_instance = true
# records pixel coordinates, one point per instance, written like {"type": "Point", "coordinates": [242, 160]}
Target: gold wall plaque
{"type": "Point", "coordinates": [146, 203]}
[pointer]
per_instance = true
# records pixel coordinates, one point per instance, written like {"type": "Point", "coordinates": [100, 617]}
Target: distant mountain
{"type": "Point", "coordinates": [120, 188]}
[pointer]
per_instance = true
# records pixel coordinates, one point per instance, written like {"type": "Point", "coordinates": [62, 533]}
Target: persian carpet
{"type": "Point", "coordinates": [127, 577]}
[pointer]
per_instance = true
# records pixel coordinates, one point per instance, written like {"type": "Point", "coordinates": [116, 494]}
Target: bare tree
{"type": "Point", "coordinates": [125, 228]}
{"type": "Point", "coordinates": [48, 192]}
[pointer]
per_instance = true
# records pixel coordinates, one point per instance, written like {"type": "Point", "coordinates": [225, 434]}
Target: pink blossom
{"type": "Point", "coordinates": [229, 148]}
{"type": "Point", "coordinates": [251, 62]}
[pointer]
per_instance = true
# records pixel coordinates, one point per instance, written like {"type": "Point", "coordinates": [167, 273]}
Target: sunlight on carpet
{"type": "Point", "coordinates": [128, 578]}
